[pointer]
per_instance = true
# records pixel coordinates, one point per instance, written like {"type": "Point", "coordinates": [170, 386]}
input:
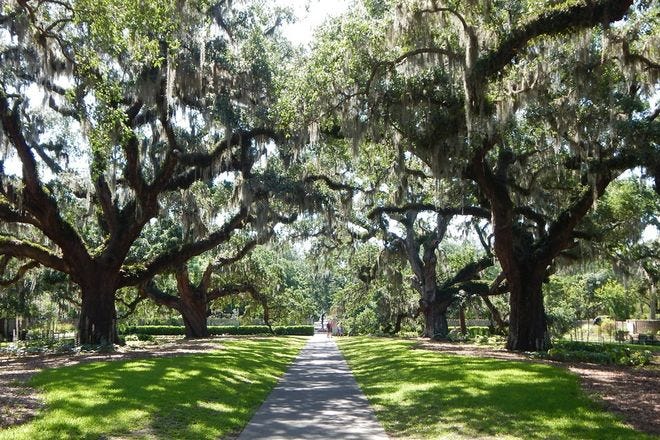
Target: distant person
{"type": "Point", "coordinates": [340, 330]}
{"type": "Point", "coordinates": [328, 326]}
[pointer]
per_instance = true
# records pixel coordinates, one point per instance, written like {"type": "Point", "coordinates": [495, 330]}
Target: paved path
{"type": "Point", "coordinates": [317, 398]}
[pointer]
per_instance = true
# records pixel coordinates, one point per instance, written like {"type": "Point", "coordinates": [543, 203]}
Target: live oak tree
{"type": "Point", "coordinates": [194, 288]}
{"type": "Point", "coordinates": [423, 222]}
{"type": "Point", "coordinates": [215, 274]}
{"type": "Point", "coordinates": [154, 97]}
{"type": "Point", "coordinates": [538, 200]}
{"type": "Point", "coordinates": [539, 106]}
{"type": "Point", "coordinates": [396, 201]}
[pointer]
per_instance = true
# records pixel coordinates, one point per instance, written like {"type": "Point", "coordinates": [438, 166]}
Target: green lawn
{"type": "Point", "coordinates": [200, 396]}
{"type": "Point", "coordinates": [424, 394]}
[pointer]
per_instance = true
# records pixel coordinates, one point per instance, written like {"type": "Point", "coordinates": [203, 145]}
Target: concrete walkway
{"type": "Point", "coordinates": [317, 398]}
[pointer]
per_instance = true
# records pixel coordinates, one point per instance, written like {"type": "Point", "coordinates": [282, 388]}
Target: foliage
{"type": "Point", "coordinates": [221, 330]}
{"type": "Point", "coordinates": [142, 109]}
{"type": "Point", "coordinates": [615, 300]}
{"type": "Point", "coordinates": [205, 396]}
{"type": "Point", "coordinates": [580, 293]}
{"type": "Point", "coordinates": [282, 292]}
{"type": "Point", "coordinates": [370, 301]}
{"type": "Point", "coordinates": [473, 331]}
{"type": "Point", "coordinates": [599, 353]}
{"type": "Point", "coordinates": [425, 394]}
{"type": "Point", "coordinates": [494, 340]}
{"type": "Point", "coordinates": [41, 347]}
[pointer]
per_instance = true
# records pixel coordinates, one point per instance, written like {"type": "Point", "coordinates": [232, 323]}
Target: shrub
{"type": "Point", "coordinates": [598, 353]}
{"type": "Point", "coordinates": [297, 330]}
{"type": "Point", "coordinates": [607, 326]}
{"type": "Point", "coordinates": [472, 332]}
{"type": "Point", "coordinates": [155, 330]}
{"type": "Point", "coordinates": [456, 335]}
{"type": "Point", "coordinates": [139, 337]}
{"type": "Point", "coordinates": [560, 321]}
{"type": "Point", "coordinates": [169, 330]}
{"type": "Point", "coordinates": [640, 357]}
{"type": "Point", "coordinates": [621, 335]}
{"type": "Point", "coordinates": [490, 340]}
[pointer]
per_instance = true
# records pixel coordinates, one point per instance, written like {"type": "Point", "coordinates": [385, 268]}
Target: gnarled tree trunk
{"type": "Point", "coordinates": [528, 327]}
{"type": "Point", "coordinates": [192, 304]}
{"type": "Point", "coordinates": [435, 318]}
{"type": "Point", "coordinates": [193, 310]}
{"type": "Point", "coordinates": [98, 317]}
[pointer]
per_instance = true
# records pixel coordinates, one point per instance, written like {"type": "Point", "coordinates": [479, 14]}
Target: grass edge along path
{"type": "Point", "coordinates": [201, 396]}
{"type": "Point", "coordinates": [420, 394]}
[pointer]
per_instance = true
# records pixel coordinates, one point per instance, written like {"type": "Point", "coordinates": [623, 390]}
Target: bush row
{"type": "Point", "coordinates": [303, 330]}
{"type": "Point", "coordinates": [472, 331]}
{"type": "Point", "coordinates": [599, 354]}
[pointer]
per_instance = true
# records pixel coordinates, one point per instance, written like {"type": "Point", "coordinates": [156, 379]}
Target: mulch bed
{"type": "Point", "coordinates": [631, 392]}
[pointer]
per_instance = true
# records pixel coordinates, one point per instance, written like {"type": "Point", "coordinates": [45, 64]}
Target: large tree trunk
{"type": "Point", "coordinates": [528, 329]}
{"type": "Point", "coordinates": [435, 319]}
{"type": "Point", "coordinates": [192, 304]}
{"type": "Point", "coordinates": [193, 311]}
{"type": "Point", "coordinates": [98, 317]}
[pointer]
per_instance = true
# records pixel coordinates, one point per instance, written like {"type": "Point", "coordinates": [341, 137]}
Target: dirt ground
{"type": "Point", "coordinates": [633, 393]}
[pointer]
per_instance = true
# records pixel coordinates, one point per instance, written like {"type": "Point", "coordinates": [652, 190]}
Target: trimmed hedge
{"type": "Point", "coordinates": [163, 330]}
{"type": "Point", "coordinates": [474, 331]}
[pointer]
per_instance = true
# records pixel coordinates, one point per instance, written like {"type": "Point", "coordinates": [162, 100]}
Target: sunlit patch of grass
{"type": "Point", "coordinates": [201, 396]}
{"type": "Point", "coordinates": [420, 394]}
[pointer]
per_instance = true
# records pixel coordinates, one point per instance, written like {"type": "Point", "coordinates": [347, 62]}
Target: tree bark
{"type": "Point", "coordinates": [528, 329]}
{"type": "Point", "coordinates": [98, 317]}
{"type": "Point", "coordinates": [194, 313]}
{"type": "Point", "coordinates": [435, 318]}
{"type": "Point", "coordinates": [496, 318]}
{"type": "Point", "coordinates": [192, 304]}
{"type": "Point", "coordinates": [461, 318]}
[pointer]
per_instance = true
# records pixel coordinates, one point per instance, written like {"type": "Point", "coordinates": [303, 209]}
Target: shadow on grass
{"type": "Point", "coordinates": [188, 397]}
{"type": "Point", "coordinates": [423, 394]}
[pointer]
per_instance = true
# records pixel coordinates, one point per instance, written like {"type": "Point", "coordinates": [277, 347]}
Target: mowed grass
{"type": "Point", "coordinates": [199, 396]}
{"type": "Point", "coordinates": [420, 394]}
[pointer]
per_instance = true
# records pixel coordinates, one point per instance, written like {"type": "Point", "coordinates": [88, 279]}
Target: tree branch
{"type": "Point", "coordinates": [582, 15]}
{"type": "Point", "coordinates": [463, 210]}
{"type": "Point", "coordinates": [20, 249]}
{"type": "Point", "coordinates": [184, 253]}
{"type": "Point", "coordinates": [19, 274]}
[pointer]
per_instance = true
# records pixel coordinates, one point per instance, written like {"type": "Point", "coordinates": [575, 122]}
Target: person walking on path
{"type": "Point", "coordinates": [317, 399]}
{"type": "Point", "coordinates": [329, 327]}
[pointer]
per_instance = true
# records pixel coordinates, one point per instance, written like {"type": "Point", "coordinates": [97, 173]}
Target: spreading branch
{"type": "Point", "coordinates": [582, 15]}
{"type": "Point", "coordinates": [419, 207]}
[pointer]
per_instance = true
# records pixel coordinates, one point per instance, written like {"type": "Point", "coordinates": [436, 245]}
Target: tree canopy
{"type": "Point", "coordinates": [144, 138]}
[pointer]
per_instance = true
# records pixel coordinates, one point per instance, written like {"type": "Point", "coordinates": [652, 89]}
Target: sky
{"type": "Point", "coordinates": [311, 14]}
